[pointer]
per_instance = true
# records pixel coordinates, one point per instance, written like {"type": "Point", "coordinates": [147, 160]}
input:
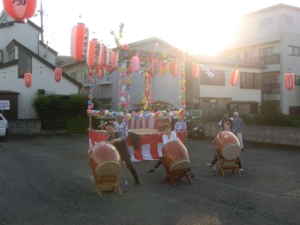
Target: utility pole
{"type": "Point", "coordinates": [42, 21]}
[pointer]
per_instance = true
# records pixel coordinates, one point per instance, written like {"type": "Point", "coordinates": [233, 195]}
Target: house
{"type": "Point", "coordinates": [271, 37]}
{"type": "Point", "coordinates": [21, 51]}
{"type": "Point", "coordinates": [215, 95]}
{"type": "Point", "coordinates": [164, 88]}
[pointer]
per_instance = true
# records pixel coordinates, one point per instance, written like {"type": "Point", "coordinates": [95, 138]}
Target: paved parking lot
{"type": "Point", "coordinates": [45, 180]}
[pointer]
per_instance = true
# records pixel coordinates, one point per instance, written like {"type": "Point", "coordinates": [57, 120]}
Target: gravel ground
{"type": "Point", "coordinates": [45, 180]}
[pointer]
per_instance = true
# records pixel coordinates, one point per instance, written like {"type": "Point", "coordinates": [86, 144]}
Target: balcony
{"type": "Point", "coordinates": [271, 88]}
{"type": "Point", "coordinates": [104, 80]}
{"type": "Point", "coordinates": [265, 60]}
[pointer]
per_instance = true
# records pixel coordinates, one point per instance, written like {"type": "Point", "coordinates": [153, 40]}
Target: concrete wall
{"type": "Point", "coordinates": [18, 127]}
{"type": "Point", "coordinates": [261, 134]}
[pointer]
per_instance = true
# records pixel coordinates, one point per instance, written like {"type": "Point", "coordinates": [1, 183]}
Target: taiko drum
{"type": "Point", "coordinates": [228, 145]}
{"type": "Point", "coordinates": [105, 160]}
{"type": "Point", "coordinates": [176, 156]}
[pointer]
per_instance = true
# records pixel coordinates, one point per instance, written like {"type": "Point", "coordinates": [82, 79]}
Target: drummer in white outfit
{"type": "Point", "coordinates": [168, 136]}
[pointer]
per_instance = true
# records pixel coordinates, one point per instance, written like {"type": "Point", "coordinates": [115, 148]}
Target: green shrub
{"type": "Point", "coordinates": [78, 125]}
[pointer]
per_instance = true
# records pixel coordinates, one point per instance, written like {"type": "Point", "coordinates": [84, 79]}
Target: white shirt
{"type": "Point", "coordinates": [173, 136]}
{"type": "Point", "coordinates": [180, 126]}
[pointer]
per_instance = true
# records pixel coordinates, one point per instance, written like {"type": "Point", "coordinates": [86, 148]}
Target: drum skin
{"type": "Point", "coordinates": [105, 160]}
{"type": "Point", "coordinates": [228, 145]}
{"type": "Point", "coordinates": [162, 121]}
{"type": "Point", "coordinates": [176, 156]}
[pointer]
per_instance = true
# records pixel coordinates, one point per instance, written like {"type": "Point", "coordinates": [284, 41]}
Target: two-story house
{"type": "Point", "coordinates": [271, 37]}
{"type": "Point", "coordinates": [21, 51]}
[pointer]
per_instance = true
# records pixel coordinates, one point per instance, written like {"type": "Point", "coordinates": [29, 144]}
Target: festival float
{"type": "Point", "coordinates": [150, 116]}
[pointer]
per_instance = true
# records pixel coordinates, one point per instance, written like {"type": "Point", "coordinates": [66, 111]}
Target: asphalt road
{"type": "Point", "coordinates": [46, 180]}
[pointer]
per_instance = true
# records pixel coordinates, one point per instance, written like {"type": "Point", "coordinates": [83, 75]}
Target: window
{"type": "Point", "coordinates": [107, 79]}
{"type": "Point", "coordinates": [270, 85]}
{"type": "Point", "coordinates": [24, 63]}
{"type": "Point", "coordinates": [297, 80]}
{"type": "Point", "coordinates": [12, 55]}
{"type": "Point", "coordinates": [105, 104]}
{"type": "Point", "coordinates": [265, 22]}
{"type": "Point", "coordinates": [287, 20]}
{"type": "Point", "coordinates": [74, 75]}
{"type": "Point", "coordinates": [217, 79]}
{"type": "Point", "coordinates": [85, 75]}
{"type": "Point", "coordinates": [292, 50]}
{"type": "Point", "coordinates": [251, 80]}
{"type": "Point", "coordinates": [265, 51]}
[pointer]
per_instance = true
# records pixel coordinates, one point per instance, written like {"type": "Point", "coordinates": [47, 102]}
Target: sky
{"type": "Point", "coordinates": [202, 27]}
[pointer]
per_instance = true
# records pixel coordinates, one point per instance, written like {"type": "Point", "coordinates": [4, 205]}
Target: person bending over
{"type": "Point", "coordinates": [118, 140]}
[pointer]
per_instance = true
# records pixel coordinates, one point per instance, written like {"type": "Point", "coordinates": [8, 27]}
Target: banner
{"type": "Point", "coordinates": [4, 105]}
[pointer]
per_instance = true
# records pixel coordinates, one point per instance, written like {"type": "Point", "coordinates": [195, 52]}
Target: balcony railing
{"type": "Point", "coordinates": [104, 80]}
{"type": "Point", "coordinates": [271, 88]}
{"type": "Point", "coordinates": [265, 60]}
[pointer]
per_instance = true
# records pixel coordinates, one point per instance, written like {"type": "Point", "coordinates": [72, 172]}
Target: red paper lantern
{"type": "Point", "coordinates": [135, 63]}
{"type": "Point", "coordinates": [93, 53]}
{"type": "Point", "coordinates": [154, 67]}
{"type": "Point", "coordinates": [20, 10]}
{"type": "Point", "coordinates": [103, 56]}
{"type": "Point", "coordinates": [234, 77]}
{"type": "Point", "coordinates": [289, 79]}
{"type": "Point", "coordinates": [100, 72]}
{"type": "Point", "coordinates": [110, 65]}
{"type": "Point", "coordinates": [28, 80]}
{"type": "Point", "coordinates": [196, 70]}
{"type": "Point", "coordinates": [174, 69]}
{"type": "Point", "coordinates": [79, 41]}
{"type": "Point", "coordinates": [57, 74]}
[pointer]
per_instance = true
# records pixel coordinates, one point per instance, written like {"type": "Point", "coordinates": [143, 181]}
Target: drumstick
{"type": "Point", "coordinates": [217, 135]}
{"type": "Point", "coordinates": [235, 128]}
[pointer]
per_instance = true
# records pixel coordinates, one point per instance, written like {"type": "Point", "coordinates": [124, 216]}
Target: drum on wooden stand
{"type": "Point", "coordinates": [228, 145]}
{"type": "Point", "coordinates": [175, 156]}
{"type": "Point", "coordinates": [105, 160]}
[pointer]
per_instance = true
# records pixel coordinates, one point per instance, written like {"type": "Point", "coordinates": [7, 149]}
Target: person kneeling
{"type": "Point", "coordinates": [168, 136]}
{"type": "Point", "coordinates": [213, 162]}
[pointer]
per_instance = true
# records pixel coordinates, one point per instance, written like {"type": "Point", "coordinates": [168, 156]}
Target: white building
{"type": "Point", "coordinates": [215, 95]}
{"type": "Point", "coordinates": [271, 37]}
{"type": "Point", "coordinates": [21, 51]}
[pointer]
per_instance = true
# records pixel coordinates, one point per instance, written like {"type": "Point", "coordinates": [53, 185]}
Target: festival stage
{"type": "Point", "coordinates": [150, 144]}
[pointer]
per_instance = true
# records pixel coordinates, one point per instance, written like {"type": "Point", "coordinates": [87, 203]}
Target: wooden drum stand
{"type": "Point", "coordinates": [234, 165]}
